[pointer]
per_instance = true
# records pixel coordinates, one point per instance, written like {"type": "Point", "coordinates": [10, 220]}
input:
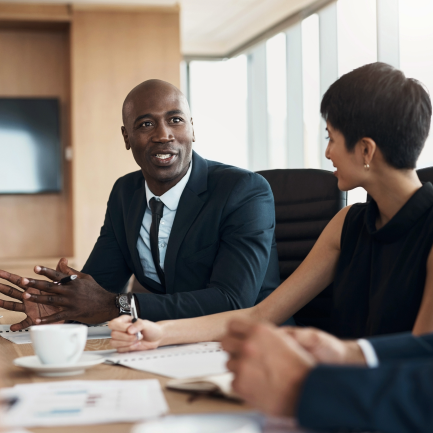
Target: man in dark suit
{"type": "Point", "coordinates": [197, 234]}
{"type": "Point", "coordinates": [295, 372]}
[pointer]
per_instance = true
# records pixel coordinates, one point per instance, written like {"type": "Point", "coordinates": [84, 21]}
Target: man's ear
{"type": "Point", "coordinates": [125, 138]}
{"type": "Point", "coordinates": [193, 133]}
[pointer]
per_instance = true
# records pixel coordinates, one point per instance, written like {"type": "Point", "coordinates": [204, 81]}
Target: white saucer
{"type": "Point", "coordinates": [53, 370]}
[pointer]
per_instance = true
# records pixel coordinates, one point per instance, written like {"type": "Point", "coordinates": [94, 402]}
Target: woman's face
{"type": "Point", "coordinates": [349, 165]}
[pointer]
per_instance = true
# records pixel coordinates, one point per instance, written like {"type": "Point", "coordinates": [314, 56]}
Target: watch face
{"type": "Point", "coordinates": [124, 303]}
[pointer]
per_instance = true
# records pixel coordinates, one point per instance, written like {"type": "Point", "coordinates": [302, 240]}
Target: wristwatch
{"type": "Point", "coordinates": [123, 304]}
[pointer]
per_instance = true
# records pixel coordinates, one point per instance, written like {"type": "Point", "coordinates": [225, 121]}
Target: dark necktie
{"type": "Point", "coordinates": [156, 206]}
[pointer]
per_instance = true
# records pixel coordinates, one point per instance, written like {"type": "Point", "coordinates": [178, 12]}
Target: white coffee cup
{"type": "Point", "coordinates": [59, 344]}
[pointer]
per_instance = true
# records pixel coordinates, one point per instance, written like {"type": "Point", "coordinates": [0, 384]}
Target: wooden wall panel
{"type": "Point", "coordinates": [112, 51]}
{"type": "Point", "coordinates": [34, 12]}
{"type": "Point", "coordinates": [36, 64]}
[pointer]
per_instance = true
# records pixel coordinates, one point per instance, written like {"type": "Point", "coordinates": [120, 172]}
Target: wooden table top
{"type": "Point", "coordinates": [178, 402]}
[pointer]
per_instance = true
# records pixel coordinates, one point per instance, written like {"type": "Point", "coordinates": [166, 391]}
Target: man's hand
{"type": "Point", "coordinates": [82, 299]}
{"type": "Point", "coordinates": [123, 335]}
{"type": "Point", "coordinates": [269, 366]}
{"type": "Point", "coordinates": [32, 310]}
{"type": "Point", "coordinates": [326, 348]}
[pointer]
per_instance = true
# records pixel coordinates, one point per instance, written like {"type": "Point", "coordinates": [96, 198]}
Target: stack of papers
{"type": "Point", "coordinates": [179, 362]}
{"type": "Point", "coordinates": [23, 337]}
{"type": "Point", "coordinates": [83, 402]}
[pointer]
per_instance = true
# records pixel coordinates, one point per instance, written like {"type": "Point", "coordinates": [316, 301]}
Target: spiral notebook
{"type": "Point", "coordinates": [94, 332]}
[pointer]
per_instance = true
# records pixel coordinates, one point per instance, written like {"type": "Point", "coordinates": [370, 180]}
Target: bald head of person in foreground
{"type": "Point", "coordinates": [158, 128]}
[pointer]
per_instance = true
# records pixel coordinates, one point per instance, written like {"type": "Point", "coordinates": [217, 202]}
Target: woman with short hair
{"type": "Point", "coordinates": [377, 254]}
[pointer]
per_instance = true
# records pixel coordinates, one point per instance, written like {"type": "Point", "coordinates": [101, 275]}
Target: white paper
{"type": "Point", "coordinates": [84, 402]}
{"type": "Point", "coordinates": [179, 362]}
{"type": "Point", "coordinates": [23, 336]}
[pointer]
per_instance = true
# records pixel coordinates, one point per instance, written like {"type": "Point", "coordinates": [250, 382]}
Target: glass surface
{"type": "Point", "coordinates": [311, 90]}
{"type": "Point", "coordinates": [277, 100]}
{"type": "Point", "coordinates": [416, 54]}
{"type": "Point", "coordinates": [218, 93]}
{"type": "Point", "coordinates": [29, 146]}
{"type": "Point", "coordinates": [357, 34]}
{"type": "Point", "coordinates": [357, 46]}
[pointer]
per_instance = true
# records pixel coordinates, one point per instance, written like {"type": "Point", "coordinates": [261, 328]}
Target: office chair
{"type": "Point", "coordinates": [305, 201]}
{"type": "Point", "coordinates": [425, 174]}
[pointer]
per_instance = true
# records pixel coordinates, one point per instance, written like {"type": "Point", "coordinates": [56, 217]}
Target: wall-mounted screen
{"type": "Point", "coordinates": [30, 148]}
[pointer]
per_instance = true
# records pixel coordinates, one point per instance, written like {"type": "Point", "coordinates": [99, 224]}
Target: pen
{"type": "Point", "coordinates": [135, 316]}
{"type": "Point", "coordinates": [67, 279]}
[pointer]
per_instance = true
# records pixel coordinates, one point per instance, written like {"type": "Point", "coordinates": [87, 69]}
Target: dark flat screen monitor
{"type": "Point", "coordinates": [30, 148]}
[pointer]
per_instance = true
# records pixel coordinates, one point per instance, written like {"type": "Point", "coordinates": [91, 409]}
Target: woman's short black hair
{"type": "Point", "coordinates": [377, 101]}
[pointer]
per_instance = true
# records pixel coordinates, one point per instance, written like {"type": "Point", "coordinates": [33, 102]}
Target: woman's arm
{"type": "Point", "coordinates": [314, 274]}
{"type": "Point", "coordinates": [424, 320]}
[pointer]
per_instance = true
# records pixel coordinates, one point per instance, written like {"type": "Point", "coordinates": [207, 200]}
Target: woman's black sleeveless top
{"type": "Point", "coordinates": [380, 276]}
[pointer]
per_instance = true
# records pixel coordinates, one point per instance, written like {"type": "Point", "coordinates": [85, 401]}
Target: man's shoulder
{"type": "Point", "coordinates": [126, 185]}
{"type": "Point", "coordinates": [133, 179]}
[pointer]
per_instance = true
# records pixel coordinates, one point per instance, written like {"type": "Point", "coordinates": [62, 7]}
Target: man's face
{"type": "Point", "coordinates": [158, 129]}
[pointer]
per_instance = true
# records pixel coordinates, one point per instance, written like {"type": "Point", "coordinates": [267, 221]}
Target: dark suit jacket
{"type": "Point", "coordinates": [396, 397]}
{"type": "Point", "coordinates": [221, 253]}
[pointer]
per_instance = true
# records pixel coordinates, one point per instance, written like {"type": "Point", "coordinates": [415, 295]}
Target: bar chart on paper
{"type": "Point", "coordinates": [83, 402]}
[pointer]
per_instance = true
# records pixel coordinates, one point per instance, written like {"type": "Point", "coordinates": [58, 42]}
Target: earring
{"type": "Point", "coordinates": [367, 166]}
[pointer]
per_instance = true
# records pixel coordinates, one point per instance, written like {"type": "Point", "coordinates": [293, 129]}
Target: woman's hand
{"type": "Point", "coordinates": [124, 334]}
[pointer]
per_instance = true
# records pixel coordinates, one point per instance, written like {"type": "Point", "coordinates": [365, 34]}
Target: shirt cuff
{"type": "Point", "coordinates": [369, 353]}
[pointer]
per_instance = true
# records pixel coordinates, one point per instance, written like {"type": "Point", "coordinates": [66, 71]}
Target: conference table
{"type": "Point", "coordinates": [178, 402]}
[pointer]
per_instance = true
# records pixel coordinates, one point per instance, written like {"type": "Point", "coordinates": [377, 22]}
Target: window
{"type": "Point", "coordinates": [416, 54]}
{"type": "Point", "coordinates": [311, 90]}
{"type": "Point", "coordinates": [300, 64]}
{"type": "Point", "coordinates": [277, 100]}
{"type": "Point", "coordinates": [218, 98]}
{"type": "Point", "coordinates": [357, 35]}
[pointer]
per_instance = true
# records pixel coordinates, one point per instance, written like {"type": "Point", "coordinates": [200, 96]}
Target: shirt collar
{"type": "Point", "coordinates": [172, 196]}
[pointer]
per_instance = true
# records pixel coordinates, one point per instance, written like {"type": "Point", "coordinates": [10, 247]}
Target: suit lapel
{"type": "Point", "coordinates": [190, 205]}
{"type": "Point", "coordinates": [134, 219]}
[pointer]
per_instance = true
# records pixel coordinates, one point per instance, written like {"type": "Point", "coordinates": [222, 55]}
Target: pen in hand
{"type": "Point", "coordinates": [135, 316]}
{"type": "Point", "coordinates": [67, 279]}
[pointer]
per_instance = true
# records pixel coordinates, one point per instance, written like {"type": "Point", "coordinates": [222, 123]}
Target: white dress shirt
{"type": "Point", "coordinates": [171, 201]}
{"type": "Point", "coordinates": [369, 353]}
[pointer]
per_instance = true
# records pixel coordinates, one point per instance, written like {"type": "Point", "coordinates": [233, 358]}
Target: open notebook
{"type": "Point", "coordinates": [218, 384]}
{"type": "Point", "coordinates": [95, 332]}
{"type": "Point", "coordinates": [179, 362]}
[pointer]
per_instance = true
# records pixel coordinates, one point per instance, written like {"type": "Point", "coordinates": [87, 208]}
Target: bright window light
{"type": "Point", "coordinates": [277, 100]}
{"type": "Point", "coordinates": [416, 54]}
{"type": "Point", "coordinates": [311, 89]}
{"type": "Point", "coordinates": [357, 34]}
{"type": "Point", "coordinates": [218, 93]}
{"type": "Point", "coordinates": [357, 46]}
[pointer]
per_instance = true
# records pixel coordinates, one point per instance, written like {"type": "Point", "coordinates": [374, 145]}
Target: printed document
{"type": "Point", "coordinates": [83, 402]}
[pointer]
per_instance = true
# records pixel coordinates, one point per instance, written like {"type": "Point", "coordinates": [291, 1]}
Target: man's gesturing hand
{"type": "Point", "coordinates": [83, 299]}
{"type": "Point", "coordinates": [33, 311]}
{"type": "Point", "coordinates": [269, 366]}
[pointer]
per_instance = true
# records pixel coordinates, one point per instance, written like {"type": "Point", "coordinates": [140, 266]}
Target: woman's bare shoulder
{"type": "Point", "coordinates": [331, 235]}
